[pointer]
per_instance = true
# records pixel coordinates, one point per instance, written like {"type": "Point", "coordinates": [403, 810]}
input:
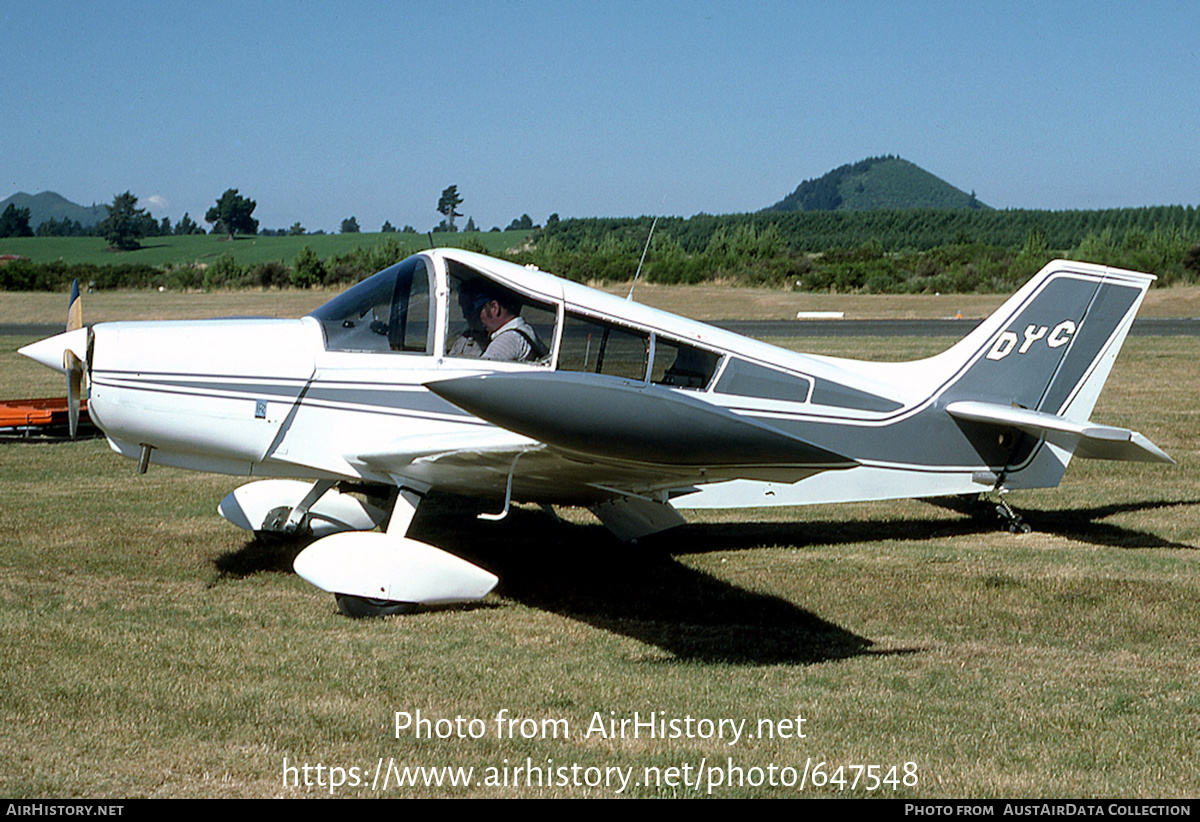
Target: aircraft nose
{"type": "Point", "coordinates": [50, 351]}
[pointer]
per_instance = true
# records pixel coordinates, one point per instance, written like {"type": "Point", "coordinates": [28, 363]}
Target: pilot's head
{"type": "Point", "coordinates": [469, 303]}
{"type": "Point", "coordinates": [488, 305]}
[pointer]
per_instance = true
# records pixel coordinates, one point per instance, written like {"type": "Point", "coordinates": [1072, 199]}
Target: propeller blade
{"type": "Point", "coordinates": [74, 308]}
{"type": "Point", "coordinates": [72, 365]}
{"type": "Point", "coordinates": [74, 368]}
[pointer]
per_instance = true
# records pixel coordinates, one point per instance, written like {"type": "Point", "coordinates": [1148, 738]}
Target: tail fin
{"type": "Point", "coordinates": [1038, 365]}
{"type": "Point", "coordinates": [1051, 347]}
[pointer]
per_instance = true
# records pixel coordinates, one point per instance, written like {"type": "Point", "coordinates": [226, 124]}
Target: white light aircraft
{"type": "Point", "coordinates": [358, 410]}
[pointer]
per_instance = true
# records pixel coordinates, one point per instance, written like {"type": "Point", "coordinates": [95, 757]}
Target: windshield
{"type": "Point", "coordinates": [389, 311]}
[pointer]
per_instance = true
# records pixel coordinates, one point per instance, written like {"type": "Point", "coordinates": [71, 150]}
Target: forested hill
{"type": "Point", "coordinates": [876, 183]}
{"type": "Point", "coordinates": [51, 206]}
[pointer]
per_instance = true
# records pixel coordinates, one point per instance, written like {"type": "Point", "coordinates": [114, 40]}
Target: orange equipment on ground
{"type": "Point", "coordinates": [39, 417]}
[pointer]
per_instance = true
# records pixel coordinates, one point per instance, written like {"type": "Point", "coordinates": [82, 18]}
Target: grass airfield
{"type": "Point", "coordinates": [152, 650]}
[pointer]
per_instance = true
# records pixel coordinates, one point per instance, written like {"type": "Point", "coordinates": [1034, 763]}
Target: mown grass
{"type": "Point", "coordinates": [151, 650]}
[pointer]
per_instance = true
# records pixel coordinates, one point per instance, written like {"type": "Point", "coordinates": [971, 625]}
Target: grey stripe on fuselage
{"type": "Point", "coordinates": [269, 387]}
{"type": "Point", "coordinates": [405, 400]}
{"type": "Point", "coordinates": [830, 393]}
{"type": "Point", "coordinates": [416, 398]}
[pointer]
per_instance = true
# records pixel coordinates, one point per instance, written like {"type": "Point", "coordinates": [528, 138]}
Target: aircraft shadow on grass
{"type": "Point", "coordinates": [640, 591]}
{"type": "Point", "coordinates": [1084, 525]}
{"type": "Point", "coordinates": [644, 592]}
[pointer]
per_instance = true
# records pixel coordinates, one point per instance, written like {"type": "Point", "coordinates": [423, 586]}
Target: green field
{"type": "Point", "coordinates": [204, 248]}
{"type": "Point", "coordinates": [152, 650]}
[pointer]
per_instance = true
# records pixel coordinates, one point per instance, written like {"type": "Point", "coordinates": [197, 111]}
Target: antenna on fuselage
{"type": "Point", "coordinates": [431, 245]}
{"type": "Point", "coordinates": [638, 273]}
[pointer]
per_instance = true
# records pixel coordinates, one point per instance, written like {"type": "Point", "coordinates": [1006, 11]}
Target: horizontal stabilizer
{"type": "Point", "coordinates": [614, 418]}
{"type": "Point", "coordinates": [1087, 439]}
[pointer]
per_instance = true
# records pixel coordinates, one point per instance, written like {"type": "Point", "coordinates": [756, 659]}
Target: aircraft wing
{"type": "Point", "coordinates": [479, 462]}
{"type": "Point", "coordinates": [1087, 439]}
{"type": "Point", "coordinates": [575, 438]}
{"type": "Point", "coordinates": [586, 439]}
{"type": "Point", "coordinates": [615, 419]}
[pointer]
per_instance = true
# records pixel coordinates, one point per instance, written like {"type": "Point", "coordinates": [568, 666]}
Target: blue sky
{"type": "Point", "coordinates": [322, 110]}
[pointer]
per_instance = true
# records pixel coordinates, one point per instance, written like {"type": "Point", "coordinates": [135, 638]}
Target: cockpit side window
{"type": "Point", "coordinates": [600, 347]}
{"type": "Point", "coordinates": [485, 320]}
{"type": "Point", "coordinates": [389, 311]}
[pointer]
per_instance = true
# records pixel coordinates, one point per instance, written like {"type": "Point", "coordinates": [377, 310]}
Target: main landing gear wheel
{"type": "Point", "coordinates": [362, 607]}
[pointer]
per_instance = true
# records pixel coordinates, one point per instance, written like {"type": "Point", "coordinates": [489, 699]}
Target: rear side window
{"type": "Point", "coordinates": [600, 347]}
{"type": "Point", "coordinates": [747, 379]}
{"type": "Point", "coordinates": [681, 365]}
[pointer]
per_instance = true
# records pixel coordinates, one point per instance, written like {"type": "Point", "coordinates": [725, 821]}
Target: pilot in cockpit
{"type": "Point", "coordinates": [495, 328]}
{"type": "Point", "coordinates": [473, 339]}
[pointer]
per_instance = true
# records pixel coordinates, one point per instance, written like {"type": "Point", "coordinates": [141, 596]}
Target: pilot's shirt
{"type": "Point", "coordinates": [509, 343]}
{"type": "Point", "coordinates": [468, 344]}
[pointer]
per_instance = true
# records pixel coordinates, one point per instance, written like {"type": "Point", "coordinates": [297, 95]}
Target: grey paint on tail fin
{"type": "Point", "coordinates": [1038, 360]}
{"type": "Point", "coordinates": [1104, 317]}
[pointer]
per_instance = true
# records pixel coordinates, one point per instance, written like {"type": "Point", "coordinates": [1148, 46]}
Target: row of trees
{"type": "Point", "coordinates": [304, 271]}
{"type": "Point", "coordinates": [448, 205]}
{"type": "Point", "coordinates": [73, 228]}
{"type": "Point", "coordinates": [919, 250]}
{"type": "Point", "coordinates": [745, 255]}
{"type": "Point", "coordinates": [895, 230]}
{"type": "Point", "coordinates": [126, 224]}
